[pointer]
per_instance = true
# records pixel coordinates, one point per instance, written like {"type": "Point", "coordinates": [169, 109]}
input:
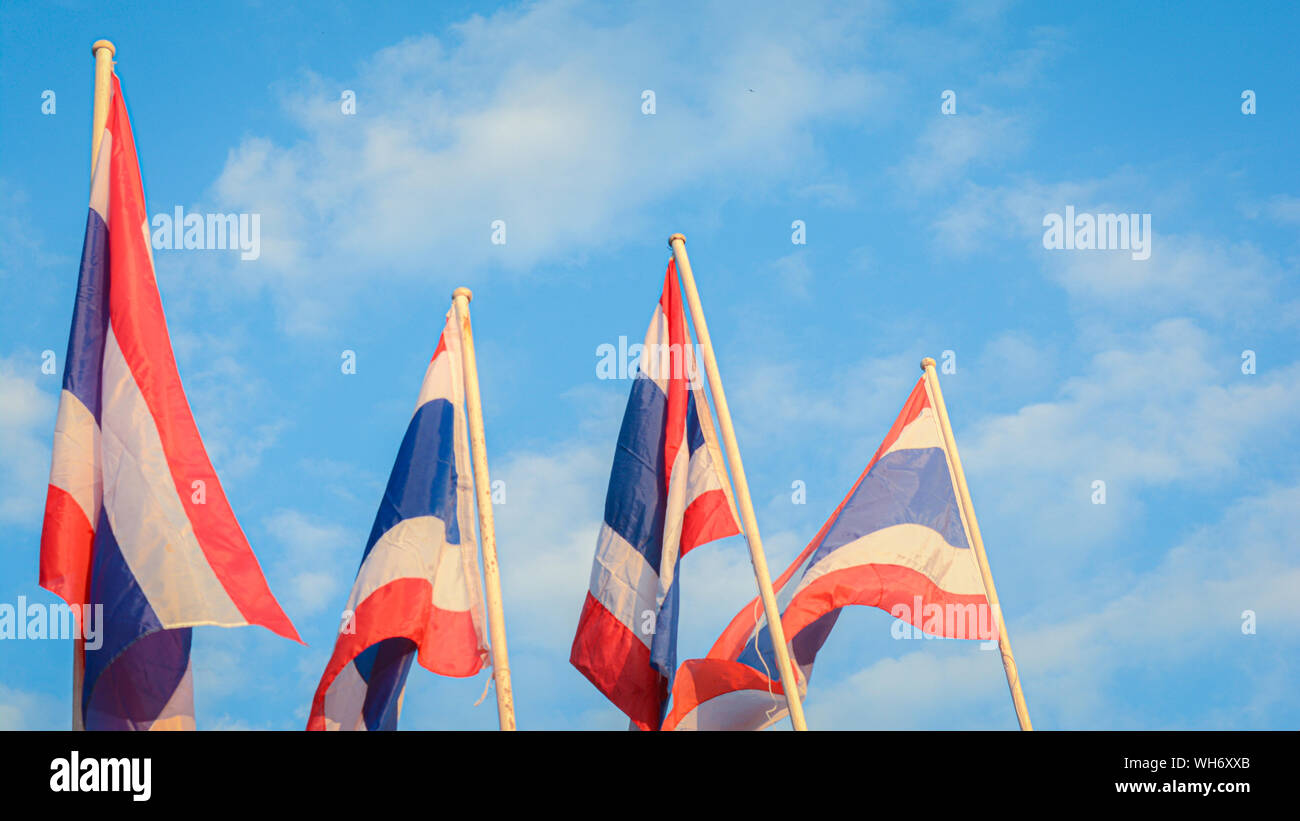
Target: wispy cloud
{"type": "Point", "coordinates": [951, 146]}
{"type": "Point", "coordinates": [317, 560]}
{"type": "Point", "coordinates": [552, 141]}
{"type": "Point", "coordinates": [27, 710]}
{"type": "Point", "coordinates": [1163, 408]}
{"type": "Point", "coordinates": [26, 424]}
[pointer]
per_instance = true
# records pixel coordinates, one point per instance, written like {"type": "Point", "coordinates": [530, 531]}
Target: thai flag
{"type": "Point", "coordinates": [417, 593]}
{"type": "Point", "coordinates": [898, 542]}
{"type": "Point", "coordinates": [667, 495]}
{"type": "Point", "coordinates": [135, 518]}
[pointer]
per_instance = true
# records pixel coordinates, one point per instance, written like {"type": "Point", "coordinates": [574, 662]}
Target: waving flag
{"type": "Point", "coordinates": [667, 495]}
{"type": "Point", "coordinates": [898, 542]}
{"type": "Point", "coordinates": [135, 518]}
{"type": "Point", "coordinates": [417, 593]}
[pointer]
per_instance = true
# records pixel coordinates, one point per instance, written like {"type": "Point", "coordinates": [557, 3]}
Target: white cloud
{"type": "Point", "coordinates": [546, 538]}
{"type": "Point", "coordinates": [1155, 411]}
{"type": "Point", "coordinates": [22, 251]}
{"type": "Point", "coordinates": [231, 723]}
{"type": "Point", "coordinates": [829, 194]}
{"type": "Point", "coordinates": [221, 667]}
{"type": "Point", "coordinates": [986, 218]}
{"type": "Point", "coordinates": [951, 145]}
{"type": "Point", "coordinates": [1224, 280]}
{"type": "Point", "coordinates": [1026, 66]}
{"type": "Point", "coordinates": [532, 117]}
{"type": "Point", "coordinates": [26, 428]}
{"type": "Point", "coordinates": [1280, 208]}
{"type": "Point", "coordinates": [794, 274]}
{"type": "Point", "coordinates": [770, 397]}
{"type": "Point", "coordinates": [316, 566]}
{"type": "Point", "coordinates": [1163, 405]}
{"type": "Point", "coordinates": [26, 710]}
{"type": "Point", "coordinates": [228, 400]}
{"type": "Point", "coordinates": [232, 674]}
{"type": "Point", "coordinates": [1008, 364]}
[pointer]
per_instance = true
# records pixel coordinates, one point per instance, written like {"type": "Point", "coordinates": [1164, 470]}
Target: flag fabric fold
{"type": "Point", "coordinates": [898, 542]}
{"type": "Point", "coordinates": [668, 494]}
{"type": "Point", "coordinates": [136, 520]}
{"type": "Point", "coordinates": [417, 594]}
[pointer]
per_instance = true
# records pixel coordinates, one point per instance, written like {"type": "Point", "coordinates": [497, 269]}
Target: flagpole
{"type": "Point", "coordinates": [487, 528]}
{"type": "Point", "coordinates": [788, 682]}
{"type": "Point", "coordinates": [963, 493]}
{"type": "Point", "coordinates": [103, 51]}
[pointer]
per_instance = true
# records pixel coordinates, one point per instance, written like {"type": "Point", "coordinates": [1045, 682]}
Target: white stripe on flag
{"type": "Point", "coordinates": [438, 381]}
{"type": "Point", "coordinates": [656, 360]}
{"type": "Point", "coordinates": [75, 467]}
{"type": "Point", "coordinates": [922, 432]}
{"type": "Point", "coordinates": [346, 697]}
{"type": "Point", "coordinates": [624, 582]}
{"type": "Point", "coordinates": [99, 182]}
{"type": "Point", "coordinates": [679, 481]}
{"type": "Point", "coordinates": [913, 546]}
{"type": "Point", "coordinates": [411, 549]}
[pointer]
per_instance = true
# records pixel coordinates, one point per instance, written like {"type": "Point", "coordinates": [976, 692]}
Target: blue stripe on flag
{"type": "Point", "coordinates": [805, 645]}
{"type": "Point", "coordinates": [423, 481]}
{"type": "Point", "coordinates": [663, 647]}
{"type": "Point", "coordinates": [634, 505]}
{"type": "Point", "coordinates": [694, 434]}
{"type": "Point", "coordinates": [137, 685]}
{"type": "Point", "coordinates": [384, 667]}
{"type": "Point", "coordinates": [904, 487]}
{"type": "Point", "coordinates": [83, 366]}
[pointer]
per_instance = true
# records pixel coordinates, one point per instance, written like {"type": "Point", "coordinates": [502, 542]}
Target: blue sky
{"type": "Point", "coordinates": [924, 235]}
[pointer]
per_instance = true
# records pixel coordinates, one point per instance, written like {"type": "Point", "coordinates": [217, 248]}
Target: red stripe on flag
{"type": "Point", "coordinates": [887, 586]}
{"type": "Point", "coordinates": [67, 547]}
{"type": "Point", "coordinates": [618, 664]}
{"type": "Point", "coordinates": [449, 646]}
{"type": "Point", "coordinates": [670, 302]}
{"type": "Point", "coordinates": [707, 519]}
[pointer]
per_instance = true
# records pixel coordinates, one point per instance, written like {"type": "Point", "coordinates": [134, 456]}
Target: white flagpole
{"type": "Point", "coordinates": [103, 51]}
{"type": "Point", "coordinates": [963, 494]}
{"type": "Point", "coordinates": [788, 682]}
{"type": "Point", "coordinates": [487, 527]}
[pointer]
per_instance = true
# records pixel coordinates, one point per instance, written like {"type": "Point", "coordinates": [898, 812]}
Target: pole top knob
{"type": "Point", "coordinates": [681, 237]}
{"type": "Point", "coordinates": [928, 362]}
{"type": "Point", "coordinates": [463, 291]}
{"type": "Point", "coordinates": [108, 44]}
